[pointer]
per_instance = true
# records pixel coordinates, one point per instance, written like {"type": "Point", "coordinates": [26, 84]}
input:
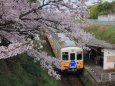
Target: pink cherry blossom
{"type": "Point", "coordinates": [23, 16]}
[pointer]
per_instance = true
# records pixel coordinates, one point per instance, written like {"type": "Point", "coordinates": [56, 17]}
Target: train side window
{"type": "Point", "coordinates": [79, 55]}
{"type": "Point", "coordinates": [65, 56]}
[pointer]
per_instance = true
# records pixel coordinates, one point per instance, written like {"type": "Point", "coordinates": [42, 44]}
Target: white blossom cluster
{"type": "Point", "coordinates": [14, 49]}
{"type": "Point", "coordinates": [12, 9]}
{"type": "Point", "coordinates": [28, 16]}
{"type": "Point", "coordinates": [66, 22]}
{"type": "Point", "coordinates": [47, 62]}
{"type": "Point", "coordinates": [12, 37]}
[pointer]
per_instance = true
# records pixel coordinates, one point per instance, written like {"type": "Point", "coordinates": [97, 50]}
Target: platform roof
{"type": "Point", "coordinates": [101, 44]}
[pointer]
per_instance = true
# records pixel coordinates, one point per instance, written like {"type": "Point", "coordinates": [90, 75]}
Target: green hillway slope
{"type": "Point", "coordinates": [102, 32]}
{"type": "Point", "coordinates": [22, 71]}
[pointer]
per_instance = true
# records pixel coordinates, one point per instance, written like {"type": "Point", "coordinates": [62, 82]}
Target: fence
{"type": "Point", "coordinates": [108, 76]}
{"type": "Point", "coordinates": [101, 76]}
{"type": "Point", "coordinates": [95, 21]}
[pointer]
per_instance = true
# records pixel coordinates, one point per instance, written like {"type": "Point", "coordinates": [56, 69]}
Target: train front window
{"type": "Point", "coordinates": [72, 56]}
{"type": "Point", "coordinates": [65, 56]}
{"type": "Point", "coordinates": [79, 55]}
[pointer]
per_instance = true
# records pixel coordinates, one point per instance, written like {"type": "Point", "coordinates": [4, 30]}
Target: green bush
{"type": "Point", "coordinates": [22, 71]}
{"type": "Point", "coordinates": [101, 9]}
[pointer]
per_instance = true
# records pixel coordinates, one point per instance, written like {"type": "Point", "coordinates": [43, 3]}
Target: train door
{"type": "Point", "coordinates": [72, 56]}
{"type": "Point", "coordinates": [72, 61]}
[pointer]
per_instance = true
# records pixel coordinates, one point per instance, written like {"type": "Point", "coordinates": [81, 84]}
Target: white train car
{"type": "Point", "coordinates": [66, 50]}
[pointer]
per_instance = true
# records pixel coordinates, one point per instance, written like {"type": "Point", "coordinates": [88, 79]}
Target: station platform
{"type": "Point", "coordinates": [100, 76]}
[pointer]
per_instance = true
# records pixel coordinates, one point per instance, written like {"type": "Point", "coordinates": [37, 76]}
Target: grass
{"type": "Point", "coordinates": [86, 81]}
{"type": "Point", "coordinates": [21, 71]}
{"type": "Point", "coordinates": [102, 32]}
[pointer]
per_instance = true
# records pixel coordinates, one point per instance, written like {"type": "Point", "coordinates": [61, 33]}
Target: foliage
{"type": "Point", "coordinates": [102, 32]}
{"type": "Point", "coordinates": [106, 6]}
{"type": "Point", "coordinates": [113, 7]}
{"type": "Point", "coordinates": [22, 71]}
{"type": "Point", "coordinates": [101, 9]}
{"type": "Point", "coordinates": [94, 12]}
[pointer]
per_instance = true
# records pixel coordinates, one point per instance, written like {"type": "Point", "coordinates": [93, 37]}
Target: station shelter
{"type": "Point", "coordinates": [102, 53]}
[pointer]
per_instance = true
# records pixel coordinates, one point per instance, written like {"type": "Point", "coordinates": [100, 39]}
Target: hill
{"type": "Point", "coordinates": [102, 32]}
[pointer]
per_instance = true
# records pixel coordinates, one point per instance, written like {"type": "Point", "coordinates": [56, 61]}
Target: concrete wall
{"type": "Point", "coordinates": [109, 60]}
{"type": "Point", "coordinates": [106, 18]}
{"type": "Point", "coordinates": [108, 0]}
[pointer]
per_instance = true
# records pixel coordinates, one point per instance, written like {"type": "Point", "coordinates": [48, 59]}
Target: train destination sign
{"type": "Point", "coordinates": [111, 59]}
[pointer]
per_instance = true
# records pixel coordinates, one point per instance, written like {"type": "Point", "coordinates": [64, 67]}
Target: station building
{"type": "Point", "coordinates": [102, 53]}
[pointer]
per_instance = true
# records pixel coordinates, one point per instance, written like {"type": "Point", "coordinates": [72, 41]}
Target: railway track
{"type": "Point", "coordinates": [70, 80]}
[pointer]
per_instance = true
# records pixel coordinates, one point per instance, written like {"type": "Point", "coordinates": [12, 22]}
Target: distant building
{"type": "Point", "coordinates": [103, 0]}
{"type": "Point", "coordinates": [92, 2]}
{"type": "Point", "coordinates": [108, 18]}
{"type": "Point", "coordinates": [108, 0]}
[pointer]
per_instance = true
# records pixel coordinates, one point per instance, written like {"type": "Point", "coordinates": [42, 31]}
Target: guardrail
{"type": "Point", "coordinates": [108, 76]}
{"type": "Point", "coordinates": [101, 77]}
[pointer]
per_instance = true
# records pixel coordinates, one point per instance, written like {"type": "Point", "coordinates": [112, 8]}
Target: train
{"type": "Point", "coordinates": [64, 48]}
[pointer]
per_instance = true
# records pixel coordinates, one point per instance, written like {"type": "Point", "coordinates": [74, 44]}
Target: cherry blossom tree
{"type": "Point", "coordinates": [18, 18]}
{"type": "Point", "coordinates": [47, 62]}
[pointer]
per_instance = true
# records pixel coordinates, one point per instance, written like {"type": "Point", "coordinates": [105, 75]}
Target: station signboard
{"type": "Point", "coordinates": [110, 58]}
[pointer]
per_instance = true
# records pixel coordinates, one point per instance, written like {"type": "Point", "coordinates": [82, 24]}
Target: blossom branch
{"type": "Point", "coordinates": [40, 7]}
